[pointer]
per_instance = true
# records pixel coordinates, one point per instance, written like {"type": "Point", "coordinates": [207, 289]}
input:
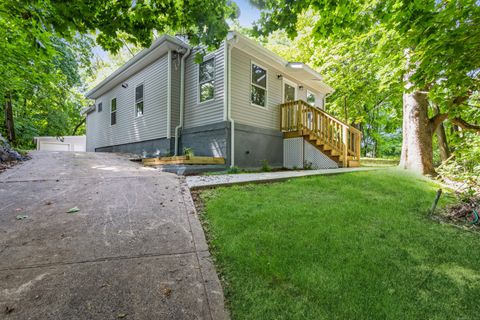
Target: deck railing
{"type": "Point", "coordinates": [299, 116]}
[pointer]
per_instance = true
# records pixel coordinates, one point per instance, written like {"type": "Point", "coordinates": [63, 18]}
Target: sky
{"type": "Point", "coordinates": [248, 13]}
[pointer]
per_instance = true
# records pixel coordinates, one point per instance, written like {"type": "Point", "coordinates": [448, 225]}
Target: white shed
{"type": "Point", "coordinates": [66, 143]}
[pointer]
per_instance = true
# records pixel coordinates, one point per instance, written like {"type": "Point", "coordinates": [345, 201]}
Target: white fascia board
{"type": "Point", "coordinates": [138, 62]}
{"type": "Point", "coordinates": [297, 70]}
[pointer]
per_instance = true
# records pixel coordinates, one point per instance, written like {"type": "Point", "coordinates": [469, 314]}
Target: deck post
{"type": "Point", "coordinates": [345, 146]}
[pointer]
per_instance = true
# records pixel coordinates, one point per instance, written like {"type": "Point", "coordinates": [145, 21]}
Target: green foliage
{"type": "Point", "coordinates": [265, 166]}
{"type": "Point", "coordinates": [362, 47]}
{"type": "Point", "coordinates": [234, 170]}
{"type": "Point", "coordinates": [203, 21]}
{"type": "Point", "coordinates": [188, 152]}
{"type": "Point", "coordinates": [40, 72]}
{"type": "Point", "coordinates": [359, 77]}
{"type": "Point", "coordinates": [46, 51]}
{"type": "Point", "coordinates": [307, 165]}
{"type": "Point", "coordinates": [465, 165]}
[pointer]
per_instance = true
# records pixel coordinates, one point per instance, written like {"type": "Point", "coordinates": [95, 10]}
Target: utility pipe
{"type": "Point", "coordinates": [169, 95]}
{"type": "Point", "coordinates": [228, 48]}
{"type": "Point", "coordinates": [182, 98]}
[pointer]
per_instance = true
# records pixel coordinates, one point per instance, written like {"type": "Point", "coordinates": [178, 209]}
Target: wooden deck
{"type": "Point", "coordinates": [335, 138]}
{"type": "Point", "coordinates": [182, 160]}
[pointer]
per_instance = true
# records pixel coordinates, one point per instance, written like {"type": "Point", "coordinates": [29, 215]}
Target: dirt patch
{"type": "Point", "coordinates": [466, 211]}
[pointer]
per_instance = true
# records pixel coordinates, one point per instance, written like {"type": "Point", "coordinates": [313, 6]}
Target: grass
{"type": "Point", "coordinates": [351, 246]}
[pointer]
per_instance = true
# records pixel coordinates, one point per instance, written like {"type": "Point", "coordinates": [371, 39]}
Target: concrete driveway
{"type": "Point", "coordinates": [135, 250]}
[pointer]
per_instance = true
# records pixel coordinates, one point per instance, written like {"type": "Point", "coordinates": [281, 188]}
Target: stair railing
{"type": "Point", "coordinates": [299, 116]}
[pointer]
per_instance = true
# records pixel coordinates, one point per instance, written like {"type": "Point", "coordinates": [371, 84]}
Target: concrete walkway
{"type": "Point", "coordinates": [198, 182]}
{"type": "Point", "coordinates": [135, 250]}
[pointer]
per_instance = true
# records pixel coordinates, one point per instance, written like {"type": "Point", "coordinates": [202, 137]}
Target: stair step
{"type": "Point", "coordinates": [354, 163]}
{"type": "Point", "coordinates": [335, 153]}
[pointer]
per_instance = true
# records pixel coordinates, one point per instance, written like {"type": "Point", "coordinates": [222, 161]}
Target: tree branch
{"type": "Point", "coordinates": [464, 124]}
{"type": "Point", "coordinates": [437, 119]}
{"type": "Point", "coordinates": [79, 125]}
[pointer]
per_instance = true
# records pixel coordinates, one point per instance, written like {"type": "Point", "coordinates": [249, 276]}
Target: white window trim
{"type": "Point", "coordinates": [314, 94]}
{"type": "Point", "coordinates": [116, 109]}
{"type": "Point", "coordinates": [207, 58]}
{"type": "Point", "coordinates": [135, 100]}
{"type": "Point", "coordinates": [291, 83]}
{"type": "Point", "coordinates": [256, 85]}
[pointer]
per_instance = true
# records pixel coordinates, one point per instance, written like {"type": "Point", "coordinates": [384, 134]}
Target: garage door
{"type": "Point", "coordinates": [54, 146]}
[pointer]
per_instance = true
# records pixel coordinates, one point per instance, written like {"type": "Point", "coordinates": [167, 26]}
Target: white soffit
{"type": "Point", "coordinates": [145, 57]}
{"type": "Point", "coordinates": [297, 70]}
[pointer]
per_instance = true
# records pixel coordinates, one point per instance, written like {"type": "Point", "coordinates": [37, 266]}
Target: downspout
{"type": "Point", "coordinates": [228, 100]}
{"type": "Point", "coordinates": [182, 98]}
{"type": "Point", "coordinates": [169, 95]}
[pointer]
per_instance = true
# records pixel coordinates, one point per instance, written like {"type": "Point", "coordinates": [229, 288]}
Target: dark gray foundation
{"type": "Point", "coordinates": [148, 148]}
{"type": "Point", "coordinates": [255, 145]}
{"type": "Point", "coordinates": [252, 145]}
{"type": "Point", "coordinates": [209, 140]}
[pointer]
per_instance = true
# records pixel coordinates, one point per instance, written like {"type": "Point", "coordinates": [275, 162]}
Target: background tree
{"type": "Point", "coordinates": [368, 92]}
{"type": "Point", "coordinates": [434, 45]}
{"type": "Point", "coordinates": [46, 46]}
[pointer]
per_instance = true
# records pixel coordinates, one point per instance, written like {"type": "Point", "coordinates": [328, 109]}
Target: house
{"type": "Point", "coordinates": [243, 103]}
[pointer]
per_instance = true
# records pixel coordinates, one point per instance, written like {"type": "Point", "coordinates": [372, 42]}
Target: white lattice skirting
{"type": "Point", "coordinates": [297, 152]}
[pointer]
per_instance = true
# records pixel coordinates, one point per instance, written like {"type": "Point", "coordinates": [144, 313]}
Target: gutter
{"type": "Point", "coordinates": [169, 94]}
{"type": "Point", "coordinates": [231, 39]}
{"type": "Point", "coordinates": [130, 63]}
{"type": "Point", "coordinates": [182, 97]}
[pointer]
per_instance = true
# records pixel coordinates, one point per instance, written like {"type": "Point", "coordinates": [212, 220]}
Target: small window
{"type": "Point", "coordinates": [113, 112]}
{"type": "Point", "coordinates": [206, 80]}
{"type": "Point", "coordinates": [310, 98]}
{"type": "Point", "coordinates": [139, 100]}
{"type": "Point", "coordinates": [100, 106]}
{"type": "Point", "coordinates": [259, 86]}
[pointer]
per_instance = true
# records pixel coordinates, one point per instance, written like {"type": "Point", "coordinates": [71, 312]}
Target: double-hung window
{"type": "Point", "coordinates": [311, 98]}
{"type": "Point", "coordinates": [258, 95]}
{"type": "Point", "coordinates": [139, 100]}
{"type": "Point", "coordinates": [113, 111]}
{"type": "Point", "coordinates": [206, 80]}
{"type": "Point", "coordinates": [99, 107]}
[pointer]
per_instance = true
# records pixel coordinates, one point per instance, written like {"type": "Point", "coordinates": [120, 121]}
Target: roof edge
{"type": "Point", "coordinates": [130, 63]}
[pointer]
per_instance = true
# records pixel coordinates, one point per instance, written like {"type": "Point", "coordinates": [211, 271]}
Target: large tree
{"type": "Point", "coordinates": [434, 44]}
{"type": "Point", "coordinates": [45, 44]}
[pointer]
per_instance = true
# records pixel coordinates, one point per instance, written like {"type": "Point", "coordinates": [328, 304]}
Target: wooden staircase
{"type": "Point", "coordinates": [334, 138]}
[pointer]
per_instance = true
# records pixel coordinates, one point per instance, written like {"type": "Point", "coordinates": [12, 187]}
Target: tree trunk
{"type": "Point", "coordinates": [78, 126]}
{"type": "Point", "coordinates": [442, 139]}
{"type": "Point", "coordinates": [417, 151]}
{"type": "Point", "coordinates": [9, 125]}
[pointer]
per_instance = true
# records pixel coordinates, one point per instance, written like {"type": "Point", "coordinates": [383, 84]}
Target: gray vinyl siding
{"type": "Point", "coordinates": [129, 128]}
{"type": "Point", "coordinates": [209, 112]}
{"type": "Point", "coordinates": [242, 110]}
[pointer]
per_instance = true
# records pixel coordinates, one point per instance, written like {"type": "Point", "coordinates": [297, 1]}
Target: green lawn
{"type": "Point", "coordinates": [351, 246]}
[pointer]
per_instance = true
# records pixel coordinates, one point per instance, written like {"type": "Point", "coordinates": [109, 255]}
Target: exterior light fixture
{"type": "Point", "coordinates": [279, 77]}
{"type": "Point", "coordinates": [125, 85]}
{"type": "Point", "coordinates": [300, 88]}
{"type": "Point", "coordinates": [295, 65]}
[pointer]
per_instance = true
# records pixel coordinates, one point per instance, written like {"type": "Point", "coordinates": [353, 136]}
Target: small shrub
{"type": "Point", "coordinates": [265, 166]}
{"type": "Point", "coordinates": [188, 152]}
{"type": "Point", "coordinates": [307, 165]}
{"type": "Point", "coordinates": [233, 170]}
